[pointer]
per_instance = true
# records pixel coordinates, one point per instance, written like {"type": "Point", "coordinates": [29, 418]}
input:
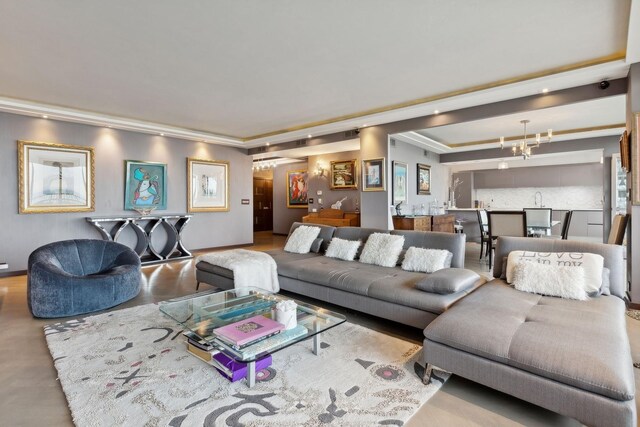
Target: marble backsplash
{"type": "Point", "coordinates": [576, 197]}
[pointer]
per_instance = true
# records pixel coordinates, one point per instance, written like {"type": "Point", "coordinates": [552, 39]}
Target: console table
{"type": "Point", "coordinates": [442, 223]}
{"type": "Point", "coordinates": [111, 228]}
{"type": "Point", "coordinates": [333, 217]}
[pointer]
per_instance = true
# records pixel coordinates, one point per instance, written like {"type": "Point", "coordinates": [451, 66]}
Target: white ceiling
{"type": "Point", "coordinates": [245, 68]}
{"type": "Point", "coordinates": [594, 113]}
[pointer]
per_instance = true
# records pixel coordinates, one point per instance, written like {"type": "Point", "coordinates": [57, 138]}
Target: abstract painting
{"type": "Point", "coordinates": [297, 189]}
{"type": "Point", "coordinates": [424, 179]}
{"type": "Point", "coordinates": [343, 175]}
{"type": "Point", "coordinates": [208, 185]}
{"type": "Point", "coordinates": [373, 175]}
{"type": "Point", "coordinates": [55, 178]}
{"type": "Point", "coordinates": [145, 185]}
{"type": "Point", "coordinates": [400, 180]}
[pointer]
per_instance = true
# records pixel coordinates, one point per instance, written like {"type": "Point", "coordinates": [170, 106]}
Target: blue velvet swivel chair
{"type": "Point", "coordinates": [74, 277]}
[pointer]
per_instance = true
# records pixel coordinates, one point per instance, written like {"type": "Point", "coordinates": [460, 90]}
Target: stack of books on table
{"type": "Point", "coordinates": [247, 332]}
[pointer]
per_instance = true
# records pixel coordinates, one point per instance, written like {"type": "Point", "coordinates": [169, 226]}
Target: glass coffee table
{"type": "Point", "coordinates": [202, 314]}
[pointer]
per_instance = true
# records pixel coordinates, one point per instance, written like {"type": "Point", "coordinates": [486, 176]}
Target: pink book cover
{"type": "Point", "coordinates": [249, 329]}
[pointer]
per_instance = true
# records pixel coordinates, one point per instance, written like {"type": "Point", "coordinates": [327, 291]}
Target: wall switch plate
{"type": "Point", "coordinates": [320, 201]}
{"type": "Point", "coordinates": [4, 266]}
{"type": "Point", "coordinates": [314, 210]}
{"type": "Point", "coordinates": [311, 200]}
{"type": "Point", "coordinates": [246, 201]}
{"type": "Point", "coordinates": [319, 193]}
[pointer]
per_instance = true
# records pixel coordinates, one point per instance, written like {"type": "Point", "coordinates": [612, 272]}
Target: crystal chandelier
{"type": "Point", "coordinates": [524, 147]}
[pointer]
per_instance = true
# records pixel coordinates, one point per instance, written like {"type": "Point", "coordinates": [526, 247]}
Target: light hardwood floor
{"type": "Point", "coordinates": [30, 394]}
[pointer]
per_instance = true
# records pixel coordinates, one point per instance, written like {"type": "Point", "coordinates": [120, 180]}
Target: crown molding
{"type": "Point", "coordinates": [53, 112]}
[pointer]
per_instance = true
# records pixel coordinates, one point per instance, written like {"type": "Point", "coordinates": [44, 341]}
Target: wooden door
{"type": "Point", "coordinates": [262, 204]}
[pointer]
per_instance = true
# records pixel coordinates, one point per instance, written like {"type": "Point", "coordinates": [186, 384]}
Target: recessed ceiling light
{"type": "Point", "coordinates": [109, 126]}
{"type": "Point", "coordinates": [44, 116]}
{"type": "Point", "coordinates": [309, 136]}
{"type": "Point", "coordinates": [162, 134]}
{"type": "Point", "coordinates": [267, 144]}
{"type": "Point", "coordinates": [436, 111]}
{"type": "Point", "coordinates": [365, 125]}
{"type": "Point", "coordinates": [545, 90]}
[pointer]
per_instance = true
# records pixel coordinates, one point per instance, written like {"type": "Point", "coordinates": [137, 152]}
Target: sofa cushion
{"type": "Point", "coordinates": [551, 280]}
{"type": "Point", "coordinates": [301, 240]}
{"type": "Point", "coordinates": [454, 243]}
{"type": "Point", "coordinates": [425, 260]}
{"type": "Point", "coordinates": [357, 233]}
{"type": "Point", "coordinates": [326, 233]}
{"type": "Point", "coordinates": [591, 263]}
{"type": "Point", "coordinates": [448, 280]}
{"type": "Point", "coordinates": [343, 249]}
{"type": "Point", "coordinates": [382, 249]}
{"type": "Point", "coordinates": [579, 343]}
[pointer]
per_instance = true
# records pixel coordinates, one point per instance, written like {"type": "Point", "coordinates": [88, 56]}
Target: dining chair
{"type": "Point", "coordinates": [539, 220]}
{"type": "Point", "coordinates": [565, 225]}
{"type": "Point", "coordinates": [483, 223]}
{"type": "Point", "coordinates": [505, 223]}
{"type": "Point", "coordinates": [618, 228]}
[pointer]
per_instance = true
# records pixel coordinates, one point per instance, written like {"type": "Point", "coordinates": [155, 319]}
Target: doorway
{"type": "Point", "coordinates": [262, 203]}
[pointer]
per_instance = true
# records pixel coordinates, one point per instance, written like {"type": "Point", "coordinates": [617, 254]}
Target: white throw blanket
{"type": "Point", "coordinates": [250, 268]}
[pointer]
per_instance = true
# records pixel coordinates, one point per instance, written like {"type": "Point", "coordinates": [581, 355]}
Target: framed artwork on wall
{"type": "Point", "coordinates": [55, 178]}
{"type": "Point", "coordinates": [423, 176]}
{"type": "Point", "coordinates": [625, 152]}
{"type": "Point", "coordinates": [343, 175]}
{"type": "Point", "coordinates": [373, 175]}
{"type": "Point", "coordinates": [297, 189]}
{"type": "Point", "coordinates": [634, 137]}
{"type": "Point", "coordinates": [207, 185]}
{"type": "Point", "coordinates": [400, 181]}
{"type": "Point", "coordinates": [145, 187]}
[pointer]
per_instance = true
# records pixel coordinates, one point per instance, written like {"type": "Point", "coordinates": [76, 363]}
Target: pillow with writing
{"type": "Point", "coordinates": [591, 263]}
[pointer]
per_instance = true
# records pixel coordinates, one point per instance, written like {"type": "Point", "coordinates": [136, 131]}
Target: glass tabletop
{"type": "Point", "coordinates": [202, 314]}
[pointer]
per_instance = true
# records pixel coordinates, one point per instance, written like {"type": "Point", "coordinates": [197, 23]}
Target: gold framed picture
{"type": "Point", "coordinates": [55, 178]}
{"type": "Point", "coordinates": [297, 188]}
{"type": "Point", "coordinates": [373, 175]}
{"type": "Point", "coordinates": [207, 185]}
{"type": "Point", "coordinates": [343, 175]}
{"type": "Point", "coordinates": [423, 176]}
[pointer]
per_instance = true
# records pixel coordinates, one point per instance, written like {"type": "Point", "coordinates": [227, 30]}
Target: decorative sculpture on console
{"type": "Point", "coordinates": [338, 204]}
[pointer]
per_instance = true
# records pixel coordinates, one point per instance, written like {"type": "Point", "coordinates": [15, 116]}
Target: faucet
{"type": "Point", "coordinates": [535, 199]}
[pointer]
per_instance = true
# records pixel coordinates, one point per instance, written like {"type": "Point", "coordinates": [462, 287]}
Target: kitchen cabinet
{"type": "Point", "coordinates": [586, 224]}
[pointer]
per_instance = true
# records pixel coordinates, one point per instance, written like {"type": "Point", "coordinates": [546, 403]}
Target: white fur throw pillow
{"type": "Point", "coordinates": [301, 239]}
{"type": "Point", "coordinates": [382, 249]}
{"type": "Point", "coordinates": [553, 280]}
{"type": "Point", "coordinates": [425, 260]}
{"type": "Point", "coordinates": [591, 263]}
{"type": "Point", "coordinates": [343, 249]}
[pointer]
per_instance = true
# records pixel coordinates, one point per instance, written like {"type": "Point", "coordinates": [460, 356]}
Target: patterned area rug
{"type": "Point", "coordinates": [130, 367]}
{"type": "Point", "coordinates": [634, 314]}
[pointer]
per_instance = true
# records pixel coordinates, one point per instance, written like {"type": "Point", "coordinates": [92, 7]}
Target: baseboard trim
{"type": "Point", "coordinates": [280, 234]}
{"type": "Point", "coordinates": [13, 273]}
{"type": "Point", "coordinates": [634, 305]}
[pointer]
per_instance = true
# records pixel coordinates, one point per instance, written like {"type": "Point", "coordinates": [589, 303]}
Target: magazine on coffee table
{"type": "Point", "coordinates": [248, 330]}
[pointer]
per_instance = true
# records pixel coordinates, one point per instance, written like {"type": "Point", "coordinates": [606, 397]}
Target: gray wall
{"type": "Point", "coordinates": [374, 206]}
{"type": "Point", "coordinates": [283, 217]}
{"type": "Point", "coordinates": [412, 155]}
{"type": "Point", "coordinates": [323, 183]}
{"type": "Point", "coordinates": [21, 234]}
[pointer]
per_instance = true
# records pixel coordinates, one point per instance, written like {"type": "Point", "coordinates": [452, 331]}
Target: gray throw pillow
{"type": "Point", "coordinates": [448, 281]}
{"type": "Point", "coordinates": [317, 245]}
{"type": "Point", "coordinates": [605, 289]}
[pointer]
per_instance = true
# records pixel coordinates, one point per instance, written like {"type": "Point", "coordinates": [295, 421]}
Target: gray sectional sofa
{"type": "Point", "coordinates": [385, 292]}
{"type": "Point", "coordinates": [571, 357]}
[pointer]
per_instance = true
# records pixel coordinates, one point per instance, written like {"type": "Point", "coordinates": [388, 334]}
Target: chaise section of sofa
{"type": "Point", "coordinates": [385, 292]}
{"type": "Point", "coordinates": [569, 356]}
